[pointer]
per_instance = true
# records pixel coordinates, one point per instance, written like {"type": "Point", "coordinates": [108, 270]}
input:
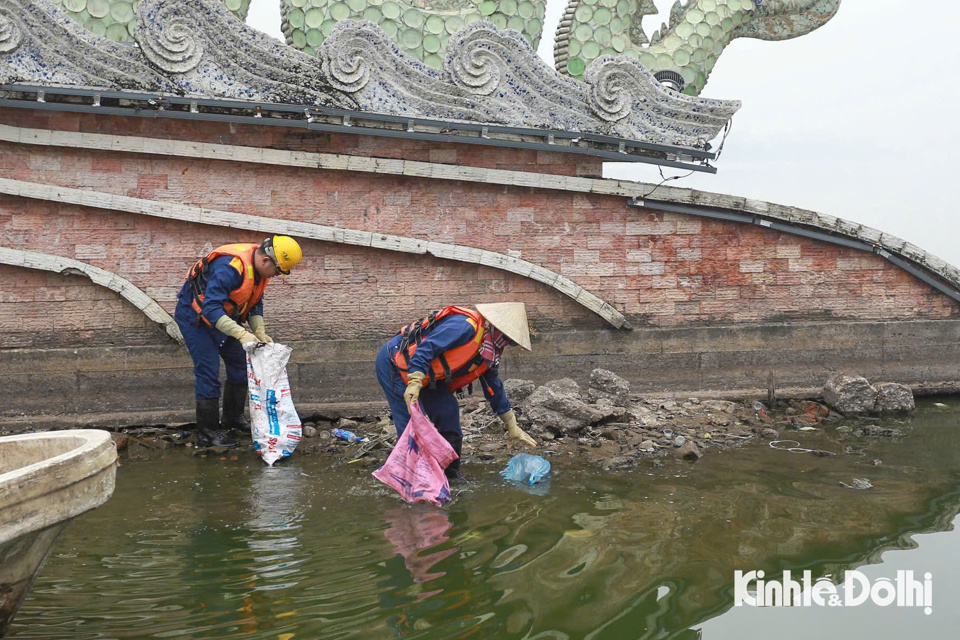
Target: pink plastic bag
{"type": "Point", "coordinates": [415, 466]}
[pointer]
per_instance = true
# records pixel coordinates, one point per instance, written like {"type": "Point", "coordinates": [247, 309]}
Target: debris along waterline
{"type": "Point", "coordinates": [604, 426]}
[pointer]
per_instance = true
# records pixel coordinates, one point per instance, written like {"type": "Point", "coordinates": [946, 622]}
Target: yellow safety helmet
{"type": "Point", "coordinates": [284, 251]}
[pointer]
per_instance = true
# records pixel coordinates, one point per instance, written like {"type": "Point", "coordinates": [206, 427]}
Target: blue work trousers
{"type": "Point", "coordinates": [439, 404]}
{"type": "Point", "coordinates": [207, 346]}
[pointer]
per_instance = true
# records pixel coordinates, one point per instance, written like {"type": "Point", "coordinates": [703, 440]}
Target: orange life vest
{"type": "Point", "coordinates": [459, 366]}
{"type": "Point", "coordinates": [244, 297]}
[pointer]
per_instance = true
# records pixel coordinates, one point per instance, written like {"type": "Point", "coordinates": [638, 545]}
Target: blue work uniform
{"type": "Point", "coordinates": [206, 344]}
{"type": "Point", "coordinates": [439, 403]}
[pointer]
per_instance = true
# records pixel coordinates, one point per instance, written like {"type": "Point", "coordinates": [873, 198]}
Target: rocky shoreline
{"type": "Point", "coordinates": [604, 425]}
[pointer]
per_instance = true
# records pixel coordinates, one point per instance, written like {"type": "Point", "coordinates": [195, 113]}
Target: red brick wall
{"type": "Point", "coordinates": [660, 270]}
{"type": "Point", "coordinates": [41, 309]}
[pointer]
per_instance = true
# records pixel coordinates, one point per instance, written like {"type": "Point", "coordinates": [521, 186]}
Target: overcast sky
{"type": "Point", "coordinates": [857, 119]}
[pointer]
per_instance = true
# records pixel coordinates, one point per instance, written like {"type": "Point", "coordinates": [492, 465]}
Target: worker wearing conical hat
{"type": "Point", "coordinates": [448, 350]}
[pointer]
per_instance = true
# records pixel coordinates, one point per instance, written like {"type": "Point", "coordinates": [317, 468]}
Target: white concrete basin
{"type": "Point", "coordinates": [46, 479]}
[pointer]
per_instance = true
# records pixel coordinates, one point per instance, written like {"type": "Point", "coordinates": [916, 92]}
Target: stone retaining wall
{"type": "Point", "coordinates": [692, 360]}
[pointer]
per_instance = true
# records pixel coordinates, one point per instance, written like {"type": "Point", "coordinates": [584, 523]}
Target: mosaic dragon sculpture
{"type": "Point", "coordinates": [691, 44]}
{"type": "Point", "coordinates": [421, 27]}
{"type": "Point", "coordinates": [688, 46]}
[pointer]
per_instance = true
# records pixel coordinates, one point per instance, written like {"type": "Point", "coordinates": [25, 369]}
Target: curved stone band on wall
{"type": "Point", "coordinates": [173, 211]}
{"type": "Point", "coordinates": [67, 266]}
{"type": "Point", "coordinates": [790, 215]}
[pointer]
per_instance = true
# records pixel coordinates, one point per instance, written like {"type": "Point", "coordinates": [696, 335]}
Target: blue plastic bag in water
{"type": "Point", "coordinates": [524, 467]}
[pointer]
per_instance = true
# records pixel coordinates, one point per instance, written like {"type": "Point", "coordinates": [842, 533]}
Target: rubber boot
{"type": "Point", "coordinates": [452, 471]}
{"type": "Point", "coordinates": [234, 400]}
{"type": "Point", "coordinates": [208, 420]}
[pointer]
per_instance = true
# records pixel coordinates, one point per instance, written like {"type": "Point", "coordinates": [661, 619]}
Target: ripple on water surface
{"type": "Point", "coordinates": [201, 548]}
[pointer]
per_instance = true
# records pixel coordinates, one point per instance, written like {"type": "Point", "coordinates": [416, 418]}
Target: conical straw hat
{"type": "Point", "coordinates": [509, 317]}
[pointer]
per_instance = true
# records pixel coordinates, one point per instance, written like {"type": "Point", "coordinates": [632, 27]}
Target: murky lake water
{"type": "Point", "coordinates": [204, 548]}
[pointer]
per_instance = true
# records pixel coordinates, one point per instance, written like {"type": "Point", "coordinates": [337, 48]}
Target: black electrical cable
{"type": "Point", "coordinates": [665, 180]}
{"type": "Point", "coordinates": [726, 132]}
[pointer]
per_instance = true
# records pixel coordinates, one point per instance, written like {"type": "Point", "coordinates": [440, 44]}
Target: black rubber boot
{"type": "Point", "coordinates": [208, 420]}
{"type": "Point", "coordinates": [234, 400]}
{"type": "Point", "coordinates": [452, 471]}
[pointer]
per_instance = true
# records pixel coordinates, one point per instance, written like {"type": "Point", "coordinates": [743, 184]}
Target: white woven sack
{"type": "Point", "coordinates": [274, 423]}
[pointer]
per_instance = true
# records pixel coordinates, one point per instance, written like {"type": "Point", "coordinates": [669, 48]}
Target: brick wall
{"type": "Point", "coordinates": [48, 310]}
{"type": "Point", "coordinates": [660, 270]}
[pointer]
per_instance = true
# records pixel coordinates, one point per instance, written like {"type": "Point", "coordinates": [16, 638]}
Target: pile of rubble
{"type": "Point", "coordinates": [615, 430]}
{"type": "Point", "coordinates": [603, 425]}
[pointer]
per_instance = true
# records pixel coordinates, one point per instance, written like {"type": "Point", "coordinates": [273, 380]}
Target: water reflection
{"type": "Point", "coordinates": [196, 549]}
{"type": "Point", "coordinates": [415, 528]}
{"type": "Point", "coordinates": [275, 511]}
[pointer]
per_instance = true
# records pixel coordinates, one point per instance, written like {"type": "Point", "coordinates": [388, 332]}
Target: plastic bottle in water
{"type": "Point", "coordinates": [349, 436]}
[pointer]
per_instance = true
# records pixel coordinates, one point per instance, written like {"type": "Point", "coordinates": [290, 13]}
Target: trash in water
{"type": "Point", "coordinates": [525, 467]}
{"type": "Point", "coordinates": [349, 436]}
{"type": "Point", "coordinates": [860, 484]}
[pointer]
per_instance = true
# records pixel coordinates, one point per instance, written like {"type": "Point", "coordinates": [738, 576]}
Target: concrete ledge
{"type": "Point", "coordinates": [701, 360]}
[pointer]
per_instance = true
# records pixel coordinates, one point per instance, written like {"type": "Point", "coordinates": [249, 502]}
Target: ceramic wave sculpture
{"type": "Point", "coordinates": [492, 75]}
{"type": "Point", "coordinates": [421, 27]}
{"type": "Point", "coordinates": [41, 44]}
{"type": "Point", "coordinates": [489, 75]}
{"type": "Point", "coordinates": [185, 47]}
{"type": "Point", "coordinates": [690, 44]}
{"type": "Point", "coordinates": [117, 19]}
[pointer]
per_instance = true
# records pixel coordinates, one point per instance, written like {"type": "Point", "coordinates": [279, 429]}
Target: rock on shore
{"type": "Point", "coordinates": [854, 395]}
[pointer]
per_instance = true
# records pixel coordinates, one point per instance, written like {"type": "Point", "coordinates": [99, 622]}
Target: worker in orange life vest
{"type": "Point", "coordinates": [453, 347]}
{"type": "Point", "coordinates": [223, 290]}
